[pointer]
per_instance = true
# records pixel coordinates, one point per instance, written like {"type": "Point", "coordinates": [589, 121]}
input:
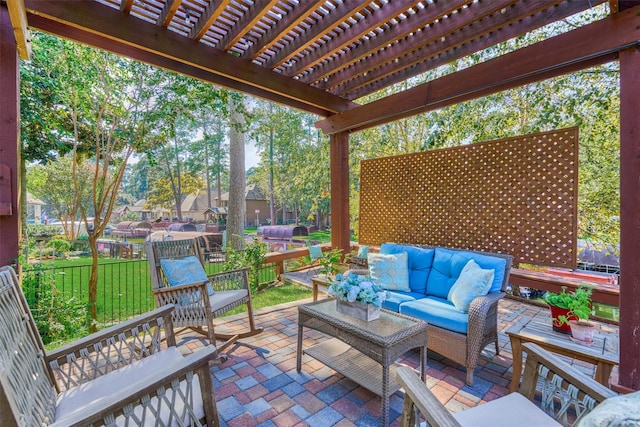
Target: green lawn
{"type": "Point", "coordinates": [124, 286]}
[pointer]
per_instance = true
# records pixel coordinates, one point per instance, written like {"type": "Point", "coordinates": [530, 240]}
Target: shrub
{"type": "Point", "coordinates": [59, 245]}
{"type": "Point", "coordinates": [59, 318]}
{"type": "Point", "coordinates": [37, 230]}
{"type": "Point", "coordinates": [252, 256]}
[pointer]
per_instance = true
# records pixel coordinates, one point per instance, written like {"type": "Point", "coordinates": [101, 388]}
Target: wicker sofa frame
{"type": "Point", "coordinates": [465, 349]}
{"type": "Point", "coordinates": [483, 326]}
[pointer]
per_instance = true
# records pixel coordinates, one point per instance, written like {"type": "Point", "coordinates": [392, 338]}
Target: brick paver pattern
{"type": "Point", "coordinates": [258, 385]}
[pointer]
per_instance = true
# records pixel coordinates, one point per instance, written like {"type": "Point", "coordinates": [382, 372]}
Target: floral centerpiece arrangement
{"type": "Point", "coordinates": [354, 288]}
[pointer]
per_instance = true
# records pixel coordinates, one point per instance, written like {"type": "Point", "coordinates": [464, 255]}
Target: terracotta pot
{"type": "Point", "coordinates": [582, 331]}
{"type": "Point", "coordinates": [557, 325]}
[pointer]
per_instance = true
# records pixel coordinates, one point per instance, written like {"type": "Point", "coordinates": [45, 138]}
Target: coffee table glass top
{"type": "Point", "coordinates": [386, 327]}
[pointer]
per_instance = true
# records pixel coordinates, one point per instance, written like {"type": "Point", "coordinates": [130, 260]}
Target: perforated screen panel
{"type": "Point", "coordinates": [514, 195]}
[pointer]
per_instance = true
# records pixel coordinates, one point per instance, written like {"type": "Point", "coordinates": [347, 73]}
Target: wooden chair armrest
{"type": "Point", "coordinates": [537, 356]}
{"type": "Point", "coordinates": [417, 395]}
{"type": "Point", "coordinates": [125, 327]}
{"type": "Point", "coordinates": [111, 348]}
{"type": "Point", "coordinates": [165, 378]}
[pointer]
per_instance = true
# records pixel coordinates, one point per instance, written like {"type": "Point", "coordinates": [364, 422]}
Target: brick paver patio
{"type": "Point", "coordinates": [259, 386]}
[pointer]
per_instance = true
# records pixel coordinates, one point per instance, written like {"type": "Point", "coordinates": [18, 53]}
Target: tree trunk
{"type": "Point", "coordinates": [93, 284]}
{"type": "Point", "coordinates": [237, 205]}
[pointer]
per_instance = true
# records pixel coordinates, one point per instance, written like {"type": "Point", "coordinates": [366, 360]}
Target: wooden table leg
{"type": "Point", "coordinates": [603, 372]}
{"type": "Point", "coordinates": [516, 350]}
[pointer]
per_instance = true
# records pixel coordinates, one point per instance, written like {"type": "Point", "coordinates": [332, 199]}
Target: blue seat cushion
{"type": "Point", "coordinates": [419, 262]}
{"type": "Point", "coordinates": [437, 312]}
{"type": "Point", "coordinates": [395, 298]}
{"type": "Point", "coordinates": [448, 264]}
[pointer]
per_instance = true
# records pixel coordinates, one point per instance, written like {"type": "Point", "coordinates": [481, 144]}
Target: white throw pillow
{"type": "Point", "coordinates": [472, 282]}
{"type": "Point", "coordinates": [390, 271]}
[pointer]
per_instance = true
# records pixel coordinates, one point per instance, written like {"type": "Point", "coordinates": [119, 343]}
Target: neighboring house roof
{"type": "Point", "coordinates": [33, 201]}
{"type": "Point", "coordinates": [252, 192]}
{"type": "Point", "coordinates": [139, 207]}
{"type": "Point", "coordinates": [217, 210]}
{"type": "Point", "coordinates": [197, 202]}
{"type": "Point", "coordinates": [200, 202]}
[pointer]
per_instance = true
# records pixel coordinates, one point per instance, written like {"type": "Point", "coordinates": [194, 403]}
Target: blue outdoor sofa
{"type": "Point", "coordinates": [432, 272]}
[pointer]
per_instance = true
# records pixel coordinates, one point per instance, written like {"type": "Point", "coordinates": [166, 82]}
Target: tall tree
{"type": "Point", "coordinates": [238, 120]}
{"type": "Point", "coordinates": [101, 109]}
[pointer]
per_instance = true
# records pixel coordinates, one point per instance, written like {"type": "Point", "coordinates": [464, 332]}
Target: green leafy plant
{"type": "Point", "coordinates": [252, 256]}
{"type": "Point", "coordinates": [59, 317]}
{"type": "Point", "coordinates": [578, 302]}
{"type": "Point", "coordinates": [329, 261]}
{"type": "Point", "coordinates": [59, 245]}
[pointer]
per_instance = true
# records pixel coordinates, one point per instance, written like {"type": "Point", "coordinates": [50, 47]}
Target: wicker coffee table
{"type": "Point", "coordinates": [364, 352]}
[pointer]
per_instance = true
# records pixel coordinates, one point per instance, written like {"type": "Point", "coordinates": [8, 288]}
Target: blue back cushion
{"type": "Point", "coordinates": [419, 260]}
{"type": "Point", "coordinates": [183, 270]}
{"type": "Point", "coordinates": [448, 264]}
{"type": "Point", "coordinates": [363, 251]}
{"type": "Point", "coordinates": [315, 251]}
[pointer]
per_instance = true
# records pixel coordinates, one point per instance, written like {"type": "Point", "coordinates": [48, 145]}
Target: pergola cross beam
{"type": "Point", "coordinates": [591, 44]}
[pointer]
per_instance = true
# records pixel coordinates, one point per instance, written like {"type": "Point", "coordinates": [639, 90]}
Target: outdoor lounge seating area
{"type": "Point", "coordinates": [259, 385]}
{"type": "Point", "coordinates": [258, 382]}
{"type": "Point", "coordinates": [462, 319]}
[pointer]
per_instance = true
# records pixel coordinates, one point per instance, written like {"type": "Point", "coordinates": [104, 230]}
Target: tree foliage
{"type": "Point", "coordinates": [100, 113]}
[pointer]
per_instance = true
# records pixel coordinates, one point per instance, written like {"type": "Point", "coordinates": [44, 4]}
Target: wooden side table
{"type": "Point", "coordinates": [603, 352]}
{"type": "Point", "coordinates": [316, 282]}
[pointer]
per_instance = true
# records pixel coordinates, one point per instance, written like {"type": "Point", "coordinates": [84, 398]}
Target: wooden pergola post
{"type": "Point", "coordinates": [629, 372]}
{"type": "Point", "coordinates": [339, 166]}
{"type": "Point", "coordinates": [9, 140]}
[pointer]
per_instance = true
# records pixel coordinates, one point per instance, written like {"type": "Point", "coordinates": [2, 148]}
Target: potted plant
{"type": "Point", "coordinates": [357, 296]}
{"type": "Point", "coordinates": [570, 311]}
{"type": "Point", "coordinates": [330, 261]}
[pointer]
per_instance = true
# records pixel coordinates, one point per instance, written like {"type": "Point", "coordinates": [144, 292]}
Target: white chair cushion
{"type": "Point", "coordinates": [508, 411]}
{"type": "Point", "coordinates": [91, 393]}
{"type": "Point", "coordinates": [223, 298]}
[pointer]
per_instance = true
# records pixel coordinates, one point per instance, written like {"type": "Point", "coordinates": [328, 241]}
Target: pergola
{"type": "Point", "coordinates": [323, 56]}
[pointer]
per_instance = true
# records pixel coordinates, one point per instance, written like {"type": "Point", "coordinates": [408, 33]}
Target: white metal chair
{"type": "Point", "coordinates": [120, 376]}
{"type": "Point", "coordinates": [178, 277]}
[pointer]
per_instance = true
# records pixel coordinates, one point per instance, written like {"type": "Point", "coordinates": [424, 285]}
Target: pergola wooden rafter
{"type": "Point", "coordinates": [323, 56]}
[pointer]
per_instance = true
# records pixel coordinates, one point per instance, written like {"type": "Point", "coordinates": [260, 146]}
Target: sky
{"type": "Point", "coordinates": [251, 155]}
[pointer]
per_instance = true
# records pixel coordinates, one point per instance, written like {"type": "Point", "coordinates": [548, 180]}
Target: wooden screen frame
{"type": "Point", "coordinates": [514, 195]}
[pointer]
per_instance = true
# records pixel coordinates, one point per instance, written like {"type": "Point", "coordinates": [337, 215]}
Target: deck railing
{"type": "Point", "coordinates": [124, 287]}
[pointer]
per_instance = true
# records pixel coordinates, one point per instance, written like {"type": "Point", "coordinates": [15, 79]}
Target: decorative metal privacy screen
{"type": "Point", "coordinates": [515, 195]}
